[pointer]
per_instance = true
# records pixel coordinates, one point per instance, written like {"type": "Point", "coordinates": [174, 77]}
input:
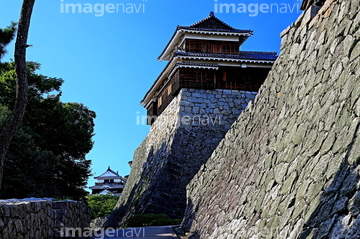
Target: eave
{"type": "Point", "coordinates": [227, 59]}
{"type": "Point", "coordinates": [166, 74]}
{"type": "Point", "coordinates": [108, 177]}
{"type": "Point", "coordinates": [107, 187]}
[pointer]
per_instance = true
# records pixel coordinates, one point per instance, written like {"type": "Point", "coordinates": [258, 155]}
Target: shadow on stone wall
{"type": "Point", "coordinates": [120, 215]}
{"type": "Point", "coordinates": [338, 214]}
{"type": "Point", "coordinates": [158, 190]}
{"type": "Point", "coordinates": [187, 222]}
{"type": "Point", "coordinates": [164, 175]}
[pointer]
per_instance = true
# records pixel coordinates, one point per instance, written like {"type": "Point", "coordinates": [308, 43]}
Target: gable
{"type": "Point", "coordinates": [211, 22]}
{"type": "Point", "coordinates": [109, 174]}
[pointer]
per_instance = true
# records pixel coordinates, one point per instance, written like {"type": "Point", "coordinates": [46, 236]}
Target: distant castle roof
{"type": "Point", "coordinates": [109, 174]}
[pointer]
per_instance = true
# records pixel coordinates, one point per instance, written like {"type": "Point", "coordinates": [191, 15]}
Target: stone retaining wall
{"type": "Point", "coordinates": [212, 107]}
{"type": "Point", "coordinates": [181, 139]}
{"type": "Point", "coordinates": [290, 165]}
{"type": "Point", "coordinates": [41, 218]}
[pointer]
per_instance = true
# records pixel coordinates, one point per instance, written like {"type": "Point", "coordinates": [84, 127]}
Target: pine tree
{"type": "Point", "coordinates": [6, 36]}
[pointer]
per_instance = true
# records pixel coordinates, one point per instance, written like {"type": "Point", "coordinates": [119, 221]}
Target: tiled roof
{"type": "Point", "coordinates": [109, 174]}
{"type": "Point", "coordinates": [110, 186]}
{"type": "Point", "coordinates": [212, 16]}
{"type": "Point", "coordinates": [195, 64]}
{"type": "Point", "coordinates": [258, 55]}
{"type": "Point", "coordinates": [110, 170]}
{"type": "Point", "coordinates": [248, 55]}
{"type": "Point", "coordinates": [214, 30]}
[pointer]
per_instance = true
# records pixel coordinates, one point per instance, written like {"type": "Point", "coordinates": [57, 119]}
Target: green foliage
{"type": "Point", "coordinates": [150, 219]}
{"type": "Point", "coordinates": [101, 205]}
{"type": "Point", "coordinates": [47, 155]}
{"type": "Point", "coordinates": [28, 171]}
{"type": "Point", "coordinates": [4, 114]}
{"type": "Point", "coordinates": [6, 36]}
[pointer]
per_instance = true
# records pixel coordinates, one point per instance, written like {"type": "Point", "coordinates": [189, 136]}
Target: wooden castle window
{"type": "Point", "coordinates": [207, 47]}
{"type": "Point", "coordinates": [230, 48]}
{"type": "Point", "coordinates": [193, 46]}
{"type": "Point", "coordinates": [224, 78]}
{"type": "Point", "coordinates": [159, 101]}
{"type": "Point", "coordinates": [169, 89]}
{"type": "Point", "coordinates": [200, 46]}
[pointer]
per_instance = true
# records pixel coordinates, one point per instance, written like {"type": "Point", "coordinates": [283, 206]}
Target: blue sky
{"type": "Point", "coordinates": [107, 54]}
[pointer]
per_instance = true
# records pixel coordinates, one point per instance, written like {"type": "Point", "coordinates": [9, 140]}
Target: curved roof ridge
{"type": "Point", "coordinates": [111, 171]}
{"type": "Point", "coordinates": [212, 15]}
{"type": "Point", "coordinates": [212, 29]}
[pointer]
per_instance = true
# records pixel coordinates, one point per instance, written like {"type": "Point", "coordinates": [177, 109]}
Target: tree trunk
{"type": "Point", "coordinates": [11, 126]}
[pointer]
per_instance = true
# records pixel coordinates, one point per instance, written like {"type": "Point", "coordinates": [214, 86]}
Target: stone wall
{"type": "Point", "coordinates": [212, 107]}
{"type": "Point", "coordinates": [41, 218]}
{"type": "Point", "coordinates": [289, 166]}
{"type": "Point", "coordinates": [97, 223]}
{"type": "Point", "coordinates": [181, 139]}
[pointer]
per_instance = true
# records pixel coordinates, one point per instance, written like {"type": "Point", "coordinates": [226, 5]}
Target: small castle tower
{"type": "Point", "coordinates": [206, 55]}
{"type": "Point", "coordinates": [109, 182]}
{"type": "Point", "coordinates": [206, 84]}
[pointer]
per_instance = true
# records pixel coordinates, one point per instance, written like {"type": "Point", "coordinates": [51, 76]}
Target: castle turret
{"type": "Point", "coordinates": [206, 55]}
{"type": "Point", "coordinates": [109, 182]}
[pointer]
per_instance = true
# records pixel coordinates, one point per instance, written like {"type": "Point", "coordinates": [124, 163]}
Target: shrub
{"type": "Point", "coordinates": [101, 205]}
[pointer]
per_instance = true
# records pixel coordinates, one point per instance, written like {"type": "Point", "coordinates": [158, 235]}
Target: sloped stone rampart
{"type": "Point", "coordinates": [181, 139]}
{"type": "Point", "coordinates": [290, 165]}
{"type": "Point", "coordinates": [42, 218]}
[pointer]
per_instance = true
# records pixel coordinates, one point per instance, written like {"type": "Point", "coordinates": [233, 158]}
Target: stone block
{"type": "Point", "coordinates": [188, 110]}
{"type": "Point", "coordinates": [197, 95]}
{"type": "Point", "coordinates": [196, 110]}
{"type": "Point", "coordinates": [236, 111]}
{"type": "Point", "coordinates": [250, 96]}
{"type": "Point", "coordinates": [212, 106]}
{"type": "Point", "coordinates": [2, 225]}
{"type": "Point", "coordinates": [203, 106]}
{"type": "Point", "coordinates": [355, 53]}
